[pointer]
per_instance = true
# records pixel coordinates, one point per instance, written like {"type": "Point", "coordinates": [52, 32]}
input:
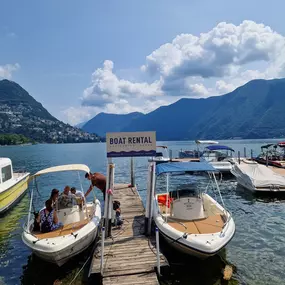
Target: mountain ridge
{"type": "Point", "coordinates": [254, 110]}
{"type": "Point", "coordinates": [112, 122]}
{"type": "Point", "coordinates": [21, 114]}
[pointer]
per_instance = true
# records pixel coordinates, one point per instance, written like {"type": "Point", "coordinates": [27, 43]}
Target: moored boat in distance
{"type": "Point", "coordinates": [79, 230]}
{"type": "Point", "coordinates": [257, 177]}
{"type": "Point", "coordinates": [219, 156]}
{"type": "Point", "coordinates": [189, 219]}
{"type": "Point", "coordinates": [272, 154]}
{"type": "Point", "coordinates": [13, 185]}
{"type": "Point", "coordinates": [195, 153]}
{"type": "Point", "coordinates": [161, 156]}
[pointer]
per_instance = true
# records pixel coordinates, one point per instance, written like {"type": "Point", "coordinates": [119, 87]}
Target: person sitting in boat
{"type": "Point", "coordinates": [66, 199]}
{"type": "Point", "coordinates": [48, 218]}
{"type": "Point", "coordinates": [54, 197]}
{"type": "Point", "coordinates": [78, 194]}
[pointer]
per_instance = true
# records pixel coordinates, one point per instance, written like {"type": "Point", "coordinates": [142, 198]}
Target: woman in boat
{"type": "Point", "coordinates": [54, 196]}
{"type": "Point", "coordinates": [48, 218]}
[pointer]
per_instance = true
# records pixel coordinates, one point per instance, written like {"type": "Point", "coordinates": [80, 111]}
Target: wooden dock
{"type": "Point", "coordinates": [129, 256]}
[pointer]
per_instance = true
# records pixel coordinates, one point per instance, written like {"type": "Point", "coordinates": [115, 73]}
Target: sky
{"type": "Point", "coordinates": [80, 58]}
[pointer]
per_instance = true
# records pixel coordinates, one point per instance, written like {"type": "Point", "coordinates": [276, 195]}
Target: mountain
{"type": "Point", "coordinates": [254, 110]}
{"type": "Point", "coordinates": [103, 122]}
{"type": "Point", "coordinates": [21, 114]}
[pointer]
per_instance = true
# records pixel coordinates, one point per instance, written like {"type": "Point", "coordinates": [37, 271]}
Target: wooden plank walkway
{"type": "Point", "coordinates": [129, 256]}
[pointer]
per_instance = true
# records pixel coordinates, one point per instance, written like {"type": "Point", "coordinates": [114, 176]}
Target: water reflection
{"type": "Point", "coordinates": [264, 197]}
{"type": "Point", "coordinates": [40, 272]}
{"type": "Point", "coordinates": [185, 269]}
{"type": "Point", "coordinates": [10, 221]}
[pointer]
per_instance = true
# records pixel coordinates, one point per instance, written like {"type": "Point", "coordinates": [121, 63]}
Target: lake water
{"type": "Point", "coordinates": [257, 250]}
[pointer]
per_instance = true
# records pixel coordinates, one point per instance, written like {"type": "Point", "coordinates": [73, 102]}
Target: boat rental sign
{"type": "Point", "coordinates": [128, 144]}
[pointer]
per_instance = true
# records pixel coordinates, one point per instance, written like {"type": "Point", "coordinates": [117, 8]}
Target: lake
{"type": "Point", "coordinates": [257, 250]}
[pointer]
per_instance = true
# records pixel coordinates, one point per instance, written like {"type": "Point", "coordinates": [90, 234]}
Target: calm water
{"type": "Point", "coordinates": [257, 251]}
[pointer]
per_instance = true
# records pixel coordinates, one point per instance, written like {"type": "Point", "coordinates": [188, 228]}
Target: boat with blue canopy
{"type": "Point", "coordinates": [220, 157]}
{"type": "Point", "coordinates": [186, 215]}
{"type": "Point", "coordinates": [196, 153]}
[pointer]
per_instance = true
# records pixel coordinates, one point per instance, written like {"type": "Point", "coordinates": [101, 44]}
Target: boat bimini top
{"type": "Point", "coordinates": [218, 147]}
{"type": "Point", "coordinates": [59, 168]}
{"type": "Point", "coordinates": [182, 167]}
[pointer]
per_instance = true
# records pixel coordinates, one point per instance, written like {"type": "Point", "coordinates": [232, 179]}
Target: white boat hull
{"type": "Point", "coordinates": [222, 166]}
{"type": "Point", "coordinates": [198, 245]}
{"type": "Point", "coordinates": [60, 257]}
{"type": "Point", "coordinates": [60, 249]}
{"type": "Point", "coordinates": [257, 178]}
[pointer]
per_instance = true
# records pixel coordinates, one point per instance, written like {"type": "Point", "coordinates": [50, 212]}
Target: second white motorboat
{"type": "Point", "coordinates": [190, 219]}
{"type": "Point", "coordinates": [80, 226]}
{"type": "Point", "coordinates": [257, 177]}
{"type": "Point", "coordinates": [219, 156]}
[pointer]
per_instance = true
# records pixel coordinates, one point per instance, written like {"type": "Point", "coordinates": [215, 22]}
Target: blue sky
{"type": "Point", "coordinates": [52, 48]}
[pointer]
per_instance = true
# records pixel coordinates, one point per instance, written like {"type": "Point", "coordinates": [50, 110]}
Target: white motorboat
{"type": "Point", "coordinates": [257, 177]}
{"type": "Point", "coordinates": [190, 219]}
{"type": "Point", "coordinates": [219, 156]}
{"type": "Point", "coordinates": [80, 226]}
{"type": "Point", "coordinates": [195, 153]}
{"type": "Point", "coordinates": [161, 156]}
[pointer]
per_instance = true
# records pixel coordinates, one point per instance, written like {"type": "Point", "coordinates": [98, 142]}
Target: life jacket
{"type": "Point", "coordinates": [162, 199]}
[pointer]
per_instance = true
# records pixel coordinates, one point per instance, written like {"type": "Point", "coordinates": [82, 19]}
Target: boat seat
{"type": "Point", "coordinates": [66, 230]}
{"type": "Point", "coordinates": [212, 224]}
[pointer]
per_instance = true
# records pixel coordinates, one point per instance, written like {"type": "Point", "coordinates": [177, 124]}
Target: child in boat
{"type": "Point", "coordinates": [48, 218]}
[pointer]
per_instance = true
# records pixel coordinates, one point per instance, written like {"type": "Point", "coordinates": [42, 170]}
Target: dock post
{"type": "Point", "coordinates": [244, 152]}
{"type": "Point", "coordinates": [102, 251]}
{"type": "Point", "coordinates": [149, 199]}
{"type": "Point", "coordinates": [132, 172]}
{"type": "Point", "coordinates": [109, 199]}
{"type": "Point", "coordinates": [251, 154]}
{"type": "Point", "coordinates": [170, 154]}
{"type": "Point", "coordinates": [238, 157]}
{"type": "Point", "coordinates": [266, 159]}
{"type": "Point", "coordinates": [157, 250]}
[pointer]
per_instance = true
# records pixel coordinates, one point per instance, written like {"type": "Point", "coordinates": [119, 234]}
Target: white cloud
{"type": "Point", "coordinates": [77, 115]}
{"type": "Point", "coordinates": [222, 87]}
{"type": "Point", "coordinates": [217, 53]}
{"type": "Point", "coordinates": [7, 70]}
{"type": "Point", "coordinates": [212, 63]}
{"type": "Point", "coordinates": [106, 87]}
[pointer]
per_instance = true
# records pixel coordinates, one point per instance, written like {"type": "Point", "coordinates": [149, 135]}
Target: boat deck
{"type": "Point", "coordinates": [212, 224]}
{"type": "Point", "coordinates": [65, 230]}
{"type": "Point", "coordinates": [278, 170]}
